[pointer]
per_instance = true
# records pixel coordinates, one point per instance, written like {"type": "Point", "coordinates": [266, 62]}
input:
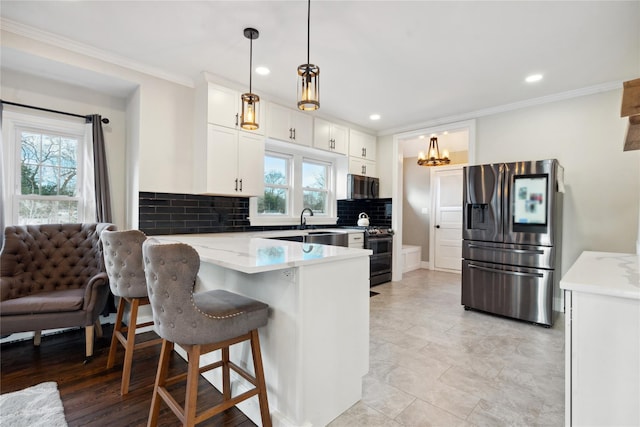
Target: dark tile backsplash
{"type": "Point", "coordinates": [168, 213]}
{"type": "Point", "coordinates": [379, 211]}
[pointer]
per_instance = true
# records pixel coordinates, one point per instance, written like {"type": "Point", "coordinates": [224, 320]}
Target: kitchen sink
{"type": "Point", "coordinates": [319, 237]}
{"type": "Point", "coordinates": [327, 238]}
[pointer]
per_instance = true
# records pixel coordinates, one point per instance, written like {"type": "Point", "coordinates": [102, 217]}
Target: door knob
{"type": "Point", "coordinates": [437, 226]}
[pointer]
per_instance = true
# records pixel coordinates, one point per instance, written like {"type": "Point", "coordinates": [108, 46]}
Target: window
{"type": "Point", "coordinates": [43, 166]}
{"type": "Point", "coordinates": [314, 186]}
{"type": "Point", "coordinates": [294, 180]}
{"type": "Point", "coordinates": [277, 186]}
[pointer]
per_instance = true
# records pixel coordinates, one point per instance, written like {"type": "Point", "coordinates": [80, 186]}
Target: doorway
{"type": "Point", "coordinates": [406, 147]}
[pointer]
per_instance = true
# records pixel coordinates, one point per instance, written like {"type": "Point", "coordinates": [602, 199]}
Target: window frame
{"type": "Point", "coordinates": [16, 122]}
{"type": "Point", "coordinates": [289, 186]}
{"type": "Point", "coordinates": [297, 156]}
{"type": "Point", "coordinates": [327, 187]}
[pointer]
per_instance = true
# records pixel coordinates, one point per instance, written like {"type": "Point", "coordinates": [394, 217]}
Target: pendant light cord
{"type": "Point", "coordinates": [308, 30]}
{"type": "Point", "coordinates": [250, 61]}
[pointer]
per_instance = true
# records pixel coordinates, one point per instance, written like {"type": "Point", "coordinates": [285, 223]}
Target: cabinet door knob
{"type": "Point", "coordinates": [240, 184]}
{"type": "Point", "coordinates": [290, 133]}
{"type": "Point", "coordinates": [236, 184]}
{"type": "Point", "coordinates": [236, 119]}
{"type": "Point", "coordinates": [294, 133]}
{"type": "Point", "coordinates": [437, 226]}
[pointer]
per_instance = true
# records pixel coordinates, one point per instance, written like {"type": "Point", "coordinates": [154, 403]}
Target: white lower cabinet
{"type": "Point", "coordinates": [602, 345]}
{"type": "Point", "coordinates": [230, 163]}
{"type": "Point", "coordinates": [356, 239]}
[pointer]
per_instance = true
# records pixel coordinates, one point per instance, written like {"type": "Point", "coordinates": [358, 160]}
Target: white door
{"type": "Point", "coordinates": [446, 186]}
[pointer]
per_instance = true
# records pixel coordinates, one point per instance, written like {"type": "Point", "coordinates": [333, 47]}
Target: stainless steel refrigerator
{"type": "Point", "coordinates": [512, 232]}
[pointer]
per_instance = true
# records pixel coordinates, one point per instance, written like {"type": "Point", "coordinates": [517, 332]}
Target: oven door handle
{"type": "Point", "coordinates": [517, 251]}
{"type": "Point", "coordinates": [508, 272]}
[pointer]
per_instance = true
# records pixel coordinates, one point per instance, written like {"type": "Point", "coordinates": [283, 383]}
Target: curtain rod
{"type": "Point", "coordinates": [87, 117]}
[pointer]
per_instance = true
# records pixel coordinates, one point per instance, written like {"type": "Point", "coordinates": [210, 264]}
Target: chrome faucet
{"type": "Point", "coordinates": [303, 220]}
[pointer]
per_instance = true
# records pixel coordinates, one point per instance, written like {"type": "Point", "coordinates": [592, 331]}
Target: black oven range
{"type": "Point", "coordinates": [380, 241]}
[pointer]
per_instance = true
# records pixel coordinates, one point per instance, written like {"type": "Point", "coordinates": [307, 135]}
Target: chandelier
{"type": "Point", "coordinates": [434, 158]}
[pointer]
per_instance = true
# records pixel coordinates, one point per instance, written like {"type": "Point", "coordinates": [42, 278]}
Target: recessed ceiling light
{"type": "Point", "coordinates": [374, 117]}
{"type": "Point", "coordinates": [533, 78]}
{"type": "Point", "coordinates": [263, 71]}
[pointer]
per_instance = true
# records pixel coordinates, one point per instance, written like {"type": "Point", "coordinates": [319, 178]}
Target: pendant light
{"type": "Point", "coordinates": [250, 101]}
{"type": "Point", "coordinates": [308, 77]}
{"type": "Point", "coordinates": [434, 158]}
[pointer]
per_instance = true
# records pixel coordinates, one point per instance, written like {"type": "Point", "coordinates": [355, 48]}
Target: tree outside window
{"type": "Point", "coordinates": [48, 178]}
{"type": "Point", "coordinates": [314, 186]}
{"type": "Point", "coordinates": [276, 186]}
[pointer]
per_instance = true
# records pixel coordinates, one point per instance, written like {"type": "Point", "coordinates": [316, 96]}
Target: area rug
{"type": "Point", "coordinates": [39, 405]}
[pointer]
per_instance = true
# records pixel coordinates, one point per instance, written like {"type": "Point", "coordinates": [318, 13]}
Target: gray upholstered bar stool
{"type": "Point", "coordinates": [123, 261]}
{"type": "Point", "coordinates": [200, 323]}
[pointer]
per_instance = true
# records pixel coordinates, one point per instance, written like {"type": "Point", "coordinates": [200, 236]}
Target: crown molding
{"type": "Point", "coordinates": [90, 51]}
{"type": "Point", "coordinates": [590, 90]}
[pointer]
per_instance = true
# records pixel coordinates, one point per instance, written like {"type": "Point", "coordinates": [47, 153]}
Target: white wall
{"type": "Point", "coordinates": [586, 135]}
{"type": "Point", "coordinates": [385, 156]}
{"type": "Point", "coordinates": [416, 197]}
{"type": "Point", "coordinates": [162, 134]}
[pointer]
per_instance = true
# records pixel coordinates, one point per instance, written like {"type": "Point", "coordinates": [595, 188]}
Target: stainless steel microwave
{"type": "Point", "coordinates": [362, 187]}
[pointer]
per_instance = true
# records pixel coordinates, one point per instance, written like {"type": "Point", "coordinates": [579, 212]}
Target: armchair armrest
{"type": "Point", "coordinates": [93, 290]}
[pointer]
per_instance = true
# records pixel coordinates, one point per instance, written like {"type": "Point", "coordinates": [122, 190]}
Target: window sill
{"type": "Point", "coordinates": [311, 220]}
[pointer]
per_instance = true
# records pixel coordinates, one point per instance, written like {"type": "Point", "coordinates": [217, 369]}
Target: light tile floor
{"type": "Point", "coordinates": [434, 364]}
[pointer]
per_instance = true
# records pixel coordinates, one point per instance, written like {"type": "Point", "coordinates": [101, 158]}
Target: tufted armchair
{"type": "Point", "coordinates": [53, 276]}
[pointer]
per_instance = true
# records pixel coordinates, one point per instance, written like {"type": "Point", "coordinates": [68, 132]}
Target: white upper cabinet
{"type": "Point", "coordinates": [224, 108]}
{"type": "Point", "coordinates": [362, 145]}
{"type": "Point", "coordinates": [289, 125]}
{"type": "Point", "coordinates": [230, 163]}
{"type": "Point", "coordinates": [329, 136]}
{"type": "Point", "coordinates": [364, 167]}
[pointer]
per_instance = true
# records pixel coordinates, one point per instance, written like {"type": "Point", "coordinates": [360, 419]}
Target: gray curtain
{"type": "Point", "coordinates": [1, 182]}
{"type": "Point", "coordinates": [103, 196]}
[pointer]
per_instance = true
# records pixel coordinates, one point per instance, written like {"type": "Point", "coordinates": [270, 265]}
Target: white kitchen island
{"type": "Point", "coordinates": [602, 369]}
{"type": "Point", "coordinates": [315, 347]}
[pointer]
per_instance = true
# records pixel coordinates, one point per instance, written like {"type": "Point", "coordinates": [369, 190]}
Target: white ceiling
{"type": "Point", "coordinates": [412, 62]}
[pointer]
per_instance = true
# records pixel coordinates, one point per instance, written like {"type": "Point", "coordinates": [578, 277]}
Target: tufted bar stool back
{"type": "Point", "coordinates": [124, 266]}
{"type": "Point", "coordinates": [200, 323]}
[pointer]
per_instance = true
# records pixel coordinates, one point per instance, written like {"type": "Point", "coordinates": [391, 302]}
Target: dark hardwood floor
{"type": "Point", "coordinates": [90, 392]}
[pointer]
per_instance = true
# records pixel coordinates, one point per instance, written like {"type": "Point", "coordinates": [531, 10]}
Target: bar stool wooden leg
{"type": "Point", "coordinates": [261, 383]}
{"type": "Point", "coordinates": [130, 346]}
{"type": "Point", "coordinates": [161, 377]}
{"type": "Point", "coordinates": [117, 327]}
{"type": "Point", "coordinates": [193, 374]}
{"type": "Point", "coordinates": [226, 375]}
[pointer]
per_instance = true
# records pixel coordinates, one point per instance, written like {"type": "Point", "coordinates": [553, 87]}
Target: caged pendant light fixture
{"type": "Point", "coordinates": [308, 77]}
{"type": "Point", "coordinates": [434, 158]}
{"type": "Point", "coordinates": [250, 101]}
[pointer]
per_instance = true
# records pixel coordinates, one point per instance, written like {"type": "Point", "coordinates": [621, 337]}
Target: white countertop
{"type": "Point", "coordinates": [256, 255]}
{"type": "Point", "coordinates": [604, 273]}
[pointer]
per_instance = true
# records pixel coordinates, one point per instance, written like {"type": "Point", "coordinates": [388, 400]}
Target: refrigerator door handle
{"type": "Point", "coordinates": [517, 251]}
{"type": "Point", "coordinates": [511, 273]}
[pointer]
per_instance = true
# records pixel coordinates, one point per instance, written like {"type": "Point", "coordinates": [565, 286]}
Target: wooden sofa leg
{"type": "Point", "coordinates": [98, 328]}
{"type": "Point", "coordinates": [89, 336]}
{"type": "Point", "coordinates": [37, 337]}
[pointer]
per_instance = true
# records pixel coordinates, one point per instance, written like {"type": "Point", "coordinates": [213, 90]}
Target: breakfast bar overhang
{"type": "Point", "coordinates": [315, 347]}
